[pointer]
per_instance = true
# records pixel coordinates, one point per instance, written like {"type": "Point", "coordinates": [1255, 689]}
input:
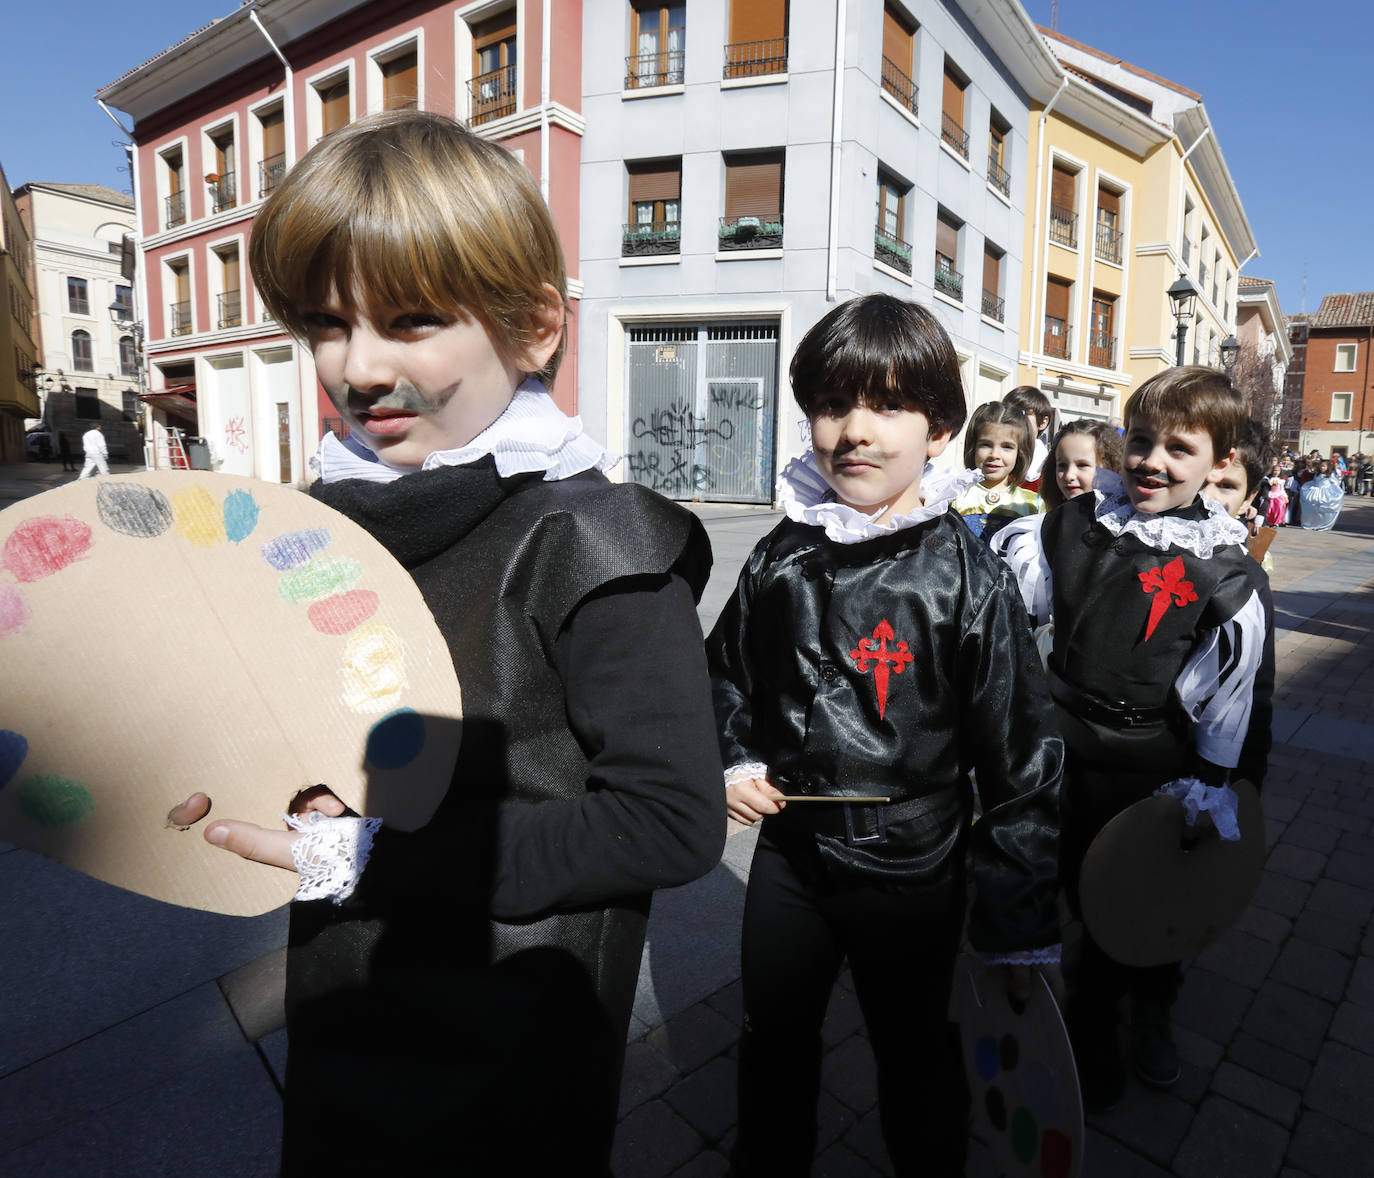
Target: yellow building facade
{"type": "Point", "coordinates": [1129, 193]}
{"type": "Point", "coordinates": [18, 353]}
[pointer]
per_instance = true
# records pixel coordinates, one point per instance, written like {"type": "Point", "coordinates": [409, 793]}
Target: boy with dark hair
{"type": "Point", "coordinates": [874, 649]}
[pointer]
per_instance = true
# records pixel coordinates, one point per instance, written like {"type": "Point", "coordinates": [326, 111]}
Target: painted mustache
{"type": "Point", "coordinates": [1159, 476]}
{"type": "Point", "coordinates": [404, 397]}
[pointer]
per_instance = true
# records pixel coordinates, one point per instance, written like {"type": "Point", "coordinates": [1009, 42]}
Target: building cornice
{"type": "Point", "coordinates": [1266, 300]}
{"type": "Point", "coordinates": [1016, 42]}
{"type": "Point", "coordinates": [199, 341]}
{"type": "Point", "coordinates": [1209, 166]}
{"type": "Point", "coordinates": [1104, 115]}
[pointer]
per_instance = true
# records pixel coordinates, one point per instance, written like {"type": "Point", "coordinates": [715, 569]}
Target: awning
{"type": "Point", "coordinates": [180, 395]}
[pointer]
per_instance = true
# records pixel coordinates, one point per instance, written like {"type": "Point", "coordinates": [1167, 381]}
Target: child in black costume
{"type": "Point", "coordinates": [874, 647]}
{"type": "Point", "coordinates": [1161, 669]}
{"type": "Point", "coordinates": [461, 1005]}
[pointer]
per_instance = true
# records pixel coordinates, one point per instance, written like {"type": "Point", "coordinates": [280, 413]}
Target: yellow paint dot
{"type": "Point", "coordinates": [374, 674]}
{"type": "Point", "coordinates": [198, 516]}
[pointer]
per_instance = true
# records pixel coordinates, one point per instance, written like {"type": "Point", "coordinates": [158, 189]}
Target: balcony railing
{"type": "Point", "coordinates": [179, 318]}
{"type": "Point", "coordinates": [891, 250]}
{"type": "Point", "coordinates": [175, 205]}
{"type": "Point", "coordinates": [270, 172]}
{"type": "Point", "coordinates": [896, 83]}
{"type": "Point", "coordinates": [948, 280]}
{"type": "Point", "coordinates": [492, 95]}
{"type": "Point", "coordinates": [1064, 226]}
{"type": "Point", "coordinates": [752, 59]}
{"type": "Point", "coordinates": [656, 69]}
{"type": "Point", "coordinates": [953, 134]}
{"type": "Point", "coordinates": [762, 231]}
{"type": "Point", "coordinates": [79, 305]}
{"type": "Point", "coordinates": [1056, 337]}
{"type": "Point", "coordinates": [1107, 244]}
{"type": "Point", "coordinates": [644, 238]}
{"type": "Point", "coordinates": [999, 177]}
{"type": "Point", "coordinates": [224, 191]}
{"type": "Point", "coordinates": [1101, 349]}
{"type": "Point", "coordinates": [994, 307]}
{"type": "Point", "coordinates": [230, 309]}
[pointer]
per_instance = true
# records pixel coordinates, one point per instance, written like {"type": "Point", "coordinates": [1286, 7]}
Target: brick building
{"type": "Point", "coordinates": [1337, 394]}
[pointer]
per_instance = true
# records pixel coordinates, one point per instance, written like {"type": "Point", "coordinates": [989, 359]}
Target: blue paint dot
{"type": "Point", "coordinates": [240, 515]}
{"type": "Point", "coordinates": [985, 1058]}
{"type": "Point", "coordinates": [13, 749]}
{"type": "Point", "coordinates": [396, 739]}
{"type": "Point", "coordinates": [294, 549]}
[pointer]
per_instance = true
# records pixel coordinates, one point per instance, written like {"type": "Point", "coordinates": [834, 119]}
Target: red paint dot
{"type": "Point", "coordinates": [1056, 1152]}
{"type": "Point", "coordinates": [343, 611]}
{"type": "Point", "coordinates": [44, 545]}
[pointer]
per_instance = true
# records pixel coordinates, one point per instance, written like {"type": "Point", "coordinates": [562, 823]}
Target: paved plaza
{"type": "Point", "coordinates": [138, 1039]}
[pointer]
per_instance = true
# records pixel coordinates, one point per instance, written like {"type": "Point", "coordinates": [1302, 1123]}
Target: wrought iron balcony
{"type": "Point", "coordinates": [762, 231]}
{"type": "Point", "coordinates": [753, 59]}
{"type": "Point", "coordinates": [224, 191]}
{"type": "Point", "coordinates": [891, 250]}
{"type": "Point", "coordinates": [948, 280]}
{"type": "Point", "coordinates": [270, 172]}
{"type": "Point", "coordinates": [492, 95]}
{"type": "Point", "coordinates": [655, 69]}
{"type": "Point", "coordinates": [645, 238]}
{"type": "Point", "coordinates": [1064, 226]}
{"type": "Point", "coordinates": [1056, 337]}
{"type": "Point", "coordinates": [230, 309]}
{"type": "Point", "coordinates": [1101, 349]}
{"type": "Point", "coordinates": [993, 307]}
{"type": "Point", "coordinates": [896, 83]}
{"type": "Point", "coordinates": [1107, 244]}
{"type": "Point", "coordinates": [179, 318]}
{"type": "Point", "coordinates": [953, 134]}
{"type": "Point", "coordinates": [999, 177]}
{"type": "Point", "coordinates": [175, 206]}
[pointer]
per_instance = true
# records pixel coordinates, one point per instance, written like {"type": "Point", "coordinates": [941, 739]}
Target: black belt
{"type": "Point", "coordinates": [857, 823]}
{"type": "Point", "coordinates": [1110, 713]}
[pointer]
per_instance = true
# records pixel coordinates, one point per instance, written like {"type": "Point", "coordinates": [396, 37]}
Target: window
{"type": "Point", "coordinates": [492, 89]}
{"type": "Point", "coordinates": [174, 203]}
{"type": "Point", "coordinates": [81, 351]}
{"type": "Point", "coordinates": [124, 302]}
{"type": "Point", "coordinates": [999, 174]}
{"type": "Point", "coordinates": [272, 166]}
{"type": "Point", "coordinates": [753, 202]}
{"type": "Point", "coordinates": [333, 96]}
{"type": "Point", "coordinates": [889, 246]}
{"type": "Point", "coordinates": [655, 202]}
{"type": "Point", "coordinates": [1107, 238]}
{"type": "Point", "coordinates": [1063, 202]}
{"type": "Point", "coordinates": [948, 280]}
{"type": "Point", "coordinates": [658, 33]}
{"type": "Point", "coordinates": [1102, 344]}
{"type": "Point", "coordinates": [128, 356]}
{"type": "Point", "coordinates": [223, 180]}
{"type": "Point", "coordinates": [1345, 357]}
{"type": "Point", "coordinates": [1187, 229]}
{"type": "Point", "coordinates": [994, 305]}
{"type": "Point", "coordinates": [1058, 297]}
{"type": "Point", "coordinates": [179, 306]}
{"type": "Point", "coordinates": [952, 131]}
{"type": "Point", "coordinates": [87, 404]}
{"type": "Point", "coordinates": [77, 301]}
{"type": "Point", "coordinates": [758, 39]}
{"type": "Point", "coordinates": [1204, 251]}
{"type": "Point", "coordinates": [1340, 406]}
{"type": "Point", "coordinates": [401, 80]}
{"type": "Point", "coordinates": [229, 311]}
{"type": "Point", "coordinates": [899, 53]}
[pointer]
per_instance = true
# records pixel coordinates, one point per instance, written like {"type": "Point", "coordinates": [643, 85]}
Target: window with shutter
{"type": "Point", "coordinates": [994, 306]}
{"type": "Point", "coordinates": [948, 279]}
{"type": "Point", "coordinates": [952, 127]}
{"type": "Point", "coordinates": [753, 201]}
{"type": "Point", "coordinates": [333, 106]}
{"type": "Point", "coordinates": [1063, 199]}
{"type": "Point", "coordinates": [758, 38]}
{"type": "Point", "coordinates": [1057, 299]}
{"type": "Point", "coordinates": [899, 43]}
{"type": "Point", "coordinates": [494, 68]}
{"type": "Point", "coordinates": [658, 34]}
{"type": "Point", "coordinates": [401, 82]}
{"type": "Point", "coordinates": [272, 166]}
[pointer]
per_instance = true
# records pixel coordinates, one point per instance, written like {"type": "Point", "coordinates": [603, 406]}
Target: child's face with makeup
{"type": "Point", "coordinates": [1075, 463]}
{"type": "Point", "coordinates": [1165, 467]}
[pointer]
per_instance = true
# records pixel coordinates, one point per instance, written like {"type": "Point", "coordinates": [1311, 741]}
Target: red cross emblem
{"type": "Point", "coordinates": [1169, 588]}
{"type": "Point", "coordinates": [882, 661]}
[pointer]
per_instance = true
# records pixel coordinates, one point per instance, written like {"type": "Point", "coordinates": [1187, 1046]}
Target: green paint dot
{"type": "Point", "coordinates": [1025, 1138]}
{"type": "Point", "coordinates": [50, 800]}
{"type": "Point", "coordinates": [319, 578]}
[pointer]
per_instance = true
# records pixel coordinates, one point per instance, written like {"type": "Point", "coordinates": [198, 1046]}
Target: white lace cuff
{"type": "Point", "coordinates": [1219, 801]}
{"type": "Point", "coordinates": [1049, 955]}
{"type": "Point", "coordinates": [737, 773]}
{"type": "Point", "coordinates": [330, 854]}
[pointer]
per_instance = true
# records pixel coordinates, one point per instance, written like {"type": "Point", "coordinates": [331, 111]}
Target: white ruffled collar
{"type": "Point", "coordinates": [1202, 537]}
{"type": "Point", "coordinates": [532, 434]}
{"type": "Point", "coordinates": [808, 499]}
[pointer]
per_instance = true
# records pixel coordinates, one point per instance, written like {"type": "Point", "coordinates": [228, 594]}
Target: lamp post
{"type": "Point", "coordinates": [1230, 349]}
{"type": "Point", "coordinates": [1181, 294]}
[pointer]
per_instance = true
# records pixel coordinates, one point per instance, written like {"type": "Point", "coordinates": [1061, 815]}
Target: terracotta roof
{"type": "Point", "coordinates": [1346, 310]}
{"type": "Point", "coordinates": [90, 191]}
{"type": "Point", "coordinates": [1125, 65]}
{"type": "Point", "coordinates": [1246, 280]}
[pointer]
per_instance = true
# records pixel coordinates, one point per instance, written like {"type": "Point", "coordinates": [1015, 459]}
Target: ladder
{"type": "Point", "coordinates": [176, 450]}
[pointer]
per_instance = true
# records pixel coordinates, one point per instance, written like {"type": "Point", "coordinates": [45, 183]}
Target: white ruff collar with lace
{"type": "Point", "coordinates": [1202, 537]}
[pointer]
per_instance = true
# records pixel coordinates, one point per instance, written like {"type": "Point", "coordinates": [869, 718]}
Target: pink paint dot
{"type": "Point", "coordinates": [343, 611]}
{"type": "Point", "coordinates": [13, 612]}
{"type": "Point", "coordinates": [44, 545]}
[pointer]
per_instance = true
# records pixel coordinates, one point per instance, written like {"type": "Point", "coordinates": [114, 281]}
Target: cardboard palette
{"type": "Point", "coordinates": [168, 632]}
{"type": "Point", "coordinates": [1150, 896]}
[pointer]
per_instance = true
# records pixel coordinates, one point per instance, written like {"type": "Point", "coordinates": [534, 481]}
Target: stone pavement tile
{"type": "Point", "coordinates": [705, 1165]}
{"type": "Point", "coordinates": [1341, 1086]}
{"type": "Point", "coordinates": [1330, 816]}
{"type": "Point", "coordinates": [1340, 899]}
{"type": "Point", "coordinates": [1328, 1149]}
{"type": "Point", "coordinates": [1225, 1138]}
{"type": "Point", "coordinates": [842, 1016]}
{"type": "Point", "coordinates": [1281, 807]}
{"type": "Point", "coordinates": [1211, 1005]}
{"type": "Point", "coordinates": [1258, 1093]}
{"type": "Point", "coordinates": [1298, 862]}
{"type": "Point", "coordinates": [652, 1142]}
{"type": "Point", "coordinates": [1315, 836]}
{"type": "Point", "coordinates": [1268, 926]}
{"type": "Point", "coordinates": [866, 1140]}
{"type": "Point", "coordinates": [848, 1072]}
{"type": "Point", "coordinates": [1281, 893]}
{"type": "Point", "coordinates": [648, 1073]}
{"type": "Point", "coordinates": [1341, 935]}
{"type": "Point", "coordinates": [1361, 988]}
{"type": "Point", "coordinates": [839, 1161]}
{"type": "Point", "coordinates": [1313, 968]}
{"type": "Point", "coordinates": [219, 1120]}
{"type": "Point", "coordinates": [1240, 957]}
{"type": "Point", "coordinates": [1353, 867]}
{"type": "Point", "coordinates": [1105, 1158]}
{"type": "Point", "coordinates": [1281, 1066]}
{"type": "Point", "coordinates": [1198, 1050]}
{"type": "Point", "coordinates": [141, 1053]}
{"type": "Point", "coordinates": [706, 1099]}
{"type": "Point", "coordinates": [689, 1039]}
{"type": "Point", "coordinates": [1289, 1018]}
{"type": "Point", "coordinates": [1354, 1026]}
{"type": "Point", "coordinates": [1151, 1123]}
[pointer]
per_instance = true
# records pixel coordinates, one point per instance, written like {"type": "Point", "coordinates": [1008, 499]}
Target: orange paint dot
{"type": "Point", "coordinates": [343, 611]}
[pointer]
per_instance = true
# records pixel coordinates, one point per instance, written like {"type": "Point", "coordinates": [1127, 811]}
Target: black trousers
{"type": "Point", "coordinates": [901, 941]}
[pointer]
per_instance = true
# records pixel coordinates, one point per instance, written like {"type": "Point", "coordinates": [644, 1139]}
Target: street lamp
{"type": "Point", "coordinates": [1181, 294]}
{"type": "Point", "coordinates": [1230, 349]}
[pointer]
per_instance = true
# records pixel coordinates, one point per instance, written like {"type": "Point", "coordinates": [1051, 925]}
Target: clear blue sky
{"type": "Point", "coordinates": [1290, 101]}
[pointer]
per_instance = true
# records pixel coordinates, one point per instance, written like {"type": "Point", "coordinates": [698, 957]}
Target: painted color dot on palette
{"type": "Point", "coordinates": [133, 510]}
{"type": "Point", "coordinates": [240, 515]}
{"type": "Point", "coordinates": [396, 740]}
{"type": "Point", "coordinates": [321, 577]}
{"type": "Point", "coordinates": [374, 669]}
{"type": "Point", "coordinates": [44, 545]}
{"type": "Point", "coordinates": [1025, 1136]}
{"type": "Point", "coordinates": [985, 1058]}
{"type": "Point", "coordinates": [343, 612]}
{"type": "Point", "coordinates": [13, 612]}
{"type": "Point", "coordinates": [198, 518]}
{"type": "Point", "coordinates": [293, 549]}
{"type": "Point", "coordinates": [1056, 1155]}
{"type": "Point", "coordinates": [50, 800]}
{"type": "Point", "coordinates": [14, 747]}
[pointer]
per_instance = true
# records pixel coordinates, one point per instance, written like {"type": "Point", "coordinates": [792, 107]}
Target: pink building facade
{"type": "Point", "coordinates": [219, 118]}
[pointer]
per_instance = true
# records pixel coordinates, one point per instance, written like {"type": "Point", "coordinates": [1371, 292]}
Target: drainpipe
{"type": "Point", "coordinates": [832, 262]}
{"type": "Point", "coordinates": [1037, 278]}
{"type": "Point", "coordinates": [545, 91]}
{"type": "Point", "coordinates": [289, 100]}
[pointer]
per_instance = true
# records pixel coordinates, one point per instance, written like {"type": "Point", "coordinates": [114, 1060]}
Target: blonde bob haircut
{"type": "Point", "coordinates": [408, 210]}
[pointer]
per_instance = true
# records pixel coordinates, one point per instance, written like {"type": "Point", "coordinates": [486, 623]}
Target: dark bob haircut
{"type": "Point", "coordinates": [1004, 414]}
{"type": "Point", "coordinates": [881, 351]}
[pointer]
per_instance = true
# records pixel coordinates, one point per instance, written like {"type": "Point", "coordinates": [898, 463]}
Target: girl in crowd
{"type": "Point", "coordinates": [998, 444]}
{"type": "Point", "coordinates": [1080, 449]}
